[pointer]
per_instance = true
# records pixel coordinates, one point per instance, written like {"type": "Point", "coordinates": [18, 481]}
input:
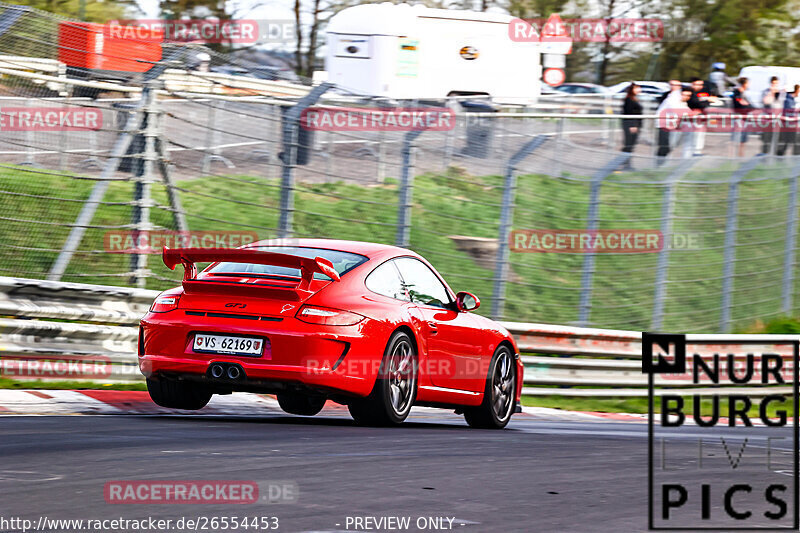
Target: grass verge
{"type": "Point", "coordinates": [6, 383]}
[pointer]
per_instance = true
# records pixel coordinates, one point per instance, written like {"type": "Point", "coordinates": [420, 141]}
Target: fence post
{"type": "Point", "coordinates": [96, 196]}
{"type": "Point", "coordinates": [587, 277]}
{"type": "Point", "coordinates": [210, 125]}
{"type": "Point", "coordinates": [667, 205]}
{"type": "Point", "coordinates": [291, 131]}
{"type": "Point", "coordinates": [654, 151]}
{"type": "Point", "coordinates": [506, 219]}
{"type": "Point", "coordinates": [448, 143]}
{"type": "Point", "coordinates": [63, 140]}
{"type": "Point", "coordinates": [557, 147]}
{"type": "Point", "coordinates": [773, 140]}
{"type": "Point", "coordinates": [730, 243]}
{"type": "Point", "coordinates": [213, 140]}
{"type": "Point", "coordinates": [92, 159]}
{"type": "Point", "coordinates": [406, 190]}
{"type": "Point", "coordinates": [162, 156]}
{"type": "Point", "coordinates": [381, 170]}
{"type": "Point", "coordinates": [142, 198]}
{"type": "Point", "coordinates": [30, 150]}
{"type": "Point", "coordinates": [791, 237]}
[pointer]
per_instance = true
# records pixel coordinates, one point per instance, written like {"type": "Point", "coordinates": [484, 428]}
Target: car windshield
{"type": "Point", "coordinates": [343, 262]}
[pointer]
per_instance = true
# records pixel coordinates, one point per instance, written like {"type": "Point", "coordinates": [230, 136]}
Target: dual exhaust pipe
{"type": "Point", "coordinates": [229, 371]}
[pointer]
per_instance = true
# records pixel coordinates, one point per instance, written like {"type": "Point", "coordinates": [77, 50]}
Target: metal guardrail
{"type": "Point", "coordinates": [573, 361]}
{"type": "Point", "coordinates": [177, 80]}
{"type": "Point", "coordinates": [56, 326]}
{"type": "Point", "coordinates": [56, 321]}
{"type": "Point", "coordinates": [50, 67]}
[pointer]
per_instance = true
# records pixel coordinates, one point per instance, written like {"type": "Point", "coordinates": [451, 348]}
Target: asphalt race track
{"type": "Point", "coordinates": [537, 475]}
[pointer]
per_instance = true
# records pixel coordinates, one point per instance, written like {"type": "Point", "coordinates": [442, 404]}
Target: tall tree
{"type": "Point", "coordinates": [94, 11]}
{"type": "Point", "coordinates": [736, 32]}
{"type": "Point", "coordinates": [197, 9]}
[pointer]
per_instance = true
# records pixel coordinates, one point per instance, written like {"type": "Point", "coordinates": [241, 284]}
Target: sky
{"type": "Point", "coordinates": [277, 9]}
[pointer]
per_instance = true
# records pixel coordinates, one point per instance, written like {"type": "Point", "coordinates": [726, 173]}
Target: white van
{"type": "Point", "coordinates": [759, 80]}
{"type": "Point", "coordinates": [410, 52]}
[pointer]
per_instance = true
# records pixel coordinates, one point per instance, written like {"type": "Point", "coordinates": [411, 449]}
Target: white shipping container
{"type": "Point", "coordinates": [409, 52]}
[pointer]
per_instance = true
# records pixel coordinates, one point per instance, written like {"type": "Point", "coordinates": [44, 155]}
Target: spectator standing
{"type": "Point", "coordinates": [631, 127]}
{"type": "Point", "coordinates": [773, 103]}
{"type": "Point", "coordinates": [741, 106]}
{"type": "Point", "coordinates": [718, 80]}
{"type": "Point", "coordinates": [698, 102]}
{"type": "Point", "coordinates": [788, 136]}
{"type": "Point", "coordinates": [667, 100]}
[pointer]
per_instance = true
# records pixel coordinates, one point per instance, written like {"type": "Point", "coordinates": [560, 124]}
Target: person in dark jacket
{"type": "Point", "coordinates": [631, 127]}
{"type": "Point", "coordinates": [788, 135]}
{"type": "Point", "coordinates": [698, 102]}
{"type": "Point", "coordinates": [741, 106]}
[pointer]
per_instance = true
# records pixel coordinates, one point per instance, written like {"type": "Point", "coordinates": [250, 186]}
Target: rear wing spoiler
{"type": "Point", "coordinates": [189, 256]}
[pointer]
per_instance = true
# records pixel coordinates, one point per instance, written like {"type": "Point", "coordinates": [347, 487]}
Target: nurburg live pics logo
{"type": "Point", "coordinates": [723, 446]}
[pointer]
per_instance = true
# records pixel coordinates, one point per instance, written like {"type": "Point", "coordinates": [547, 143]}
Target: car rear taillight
{"type": "Point", "coordinates": [165, 303]}
{"type": "Point", "coordinates": [327, 316]}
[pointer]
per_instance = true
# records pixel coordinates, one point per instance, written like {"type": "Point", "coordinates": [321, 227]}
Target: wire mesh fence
{"type": "Point", "coordinates": [184, 149]}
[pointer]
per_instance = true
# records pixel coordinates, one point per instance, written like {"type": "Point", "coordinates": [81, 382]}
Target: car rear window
{"type": "Point", "coordinates": [343, 262]}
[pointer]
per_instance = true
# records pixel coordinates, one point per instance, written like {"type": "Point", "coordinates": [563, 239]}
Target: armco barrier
{"type": "Point", "coordinates": [53, 321]}
{"type": "Point", "coordinates": [55, 325]}
{"type": "Point", "coordinates": [574, 361]}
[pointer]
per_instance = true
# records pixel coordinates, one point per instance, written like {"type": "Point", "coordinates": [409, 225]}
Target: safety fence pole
{"type": "Point", "coordinates": [667, 212]}
{"type": "Point", "coordinates": [142, 198]}
{"type": "Point", "coordinates": [213, 140]}
{"type": "Point", "coordinates": [506, 219]}
{"type": "Point", "coordinates": [587, 276]}
{"type": "Point", "coordinates": [131, 124]}
{"type": "Point", "coordinates": [405, 198]}
{"type": "Point", "coordinates": [291, 133]}
{"type": "Point", "coordinates": [787, 286]}
{"type": "Point", "coordinates": [730, 243]}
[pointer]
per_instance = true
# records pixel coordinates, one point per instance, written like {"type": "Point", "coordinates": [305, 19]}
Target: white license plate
{"type": "Point", "coordinates": [227, 344]}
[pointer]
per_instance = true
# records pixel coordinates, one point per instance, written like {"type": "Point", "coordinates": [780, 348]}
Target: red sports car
{"type": "Point", "coordinates": [371, 326]}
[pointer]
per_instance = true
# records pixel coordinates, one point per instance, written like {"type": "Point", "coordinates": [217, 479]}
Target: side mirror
{"type": "Point", "coordinates": [467, 301]}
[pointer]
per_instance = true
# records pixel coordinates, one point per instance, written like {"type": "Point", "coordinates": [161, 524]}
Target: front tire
{"type": "Point", "coordinates": [498, 398]}
{"type": "Point", "coordinates": [395, 388]}
{"type": "Point", "coordinates": [178, 394]}
{"type": "Point", "coordinates": [301, 404]}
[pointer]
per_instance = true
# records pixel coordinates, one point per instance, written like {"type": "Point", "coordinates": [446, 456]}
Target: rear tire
{"type": "Point", "coordinates": [395, 388]}
{"type": "Point", "coordinates": [178, 394]}
{"type": "Point", "coordinates": [301, 404]}
{"type": "Point", "coordinates": [498, 397]}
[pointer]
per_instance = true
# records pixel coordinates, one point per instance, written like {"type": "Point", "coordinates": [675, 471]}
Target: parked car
{"type": "Point", "coordinates": [370, 326]}
{"type": "Point", "coordinates": [650, 89]}
{"type": "Point", "coordinates": [581, 88]}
